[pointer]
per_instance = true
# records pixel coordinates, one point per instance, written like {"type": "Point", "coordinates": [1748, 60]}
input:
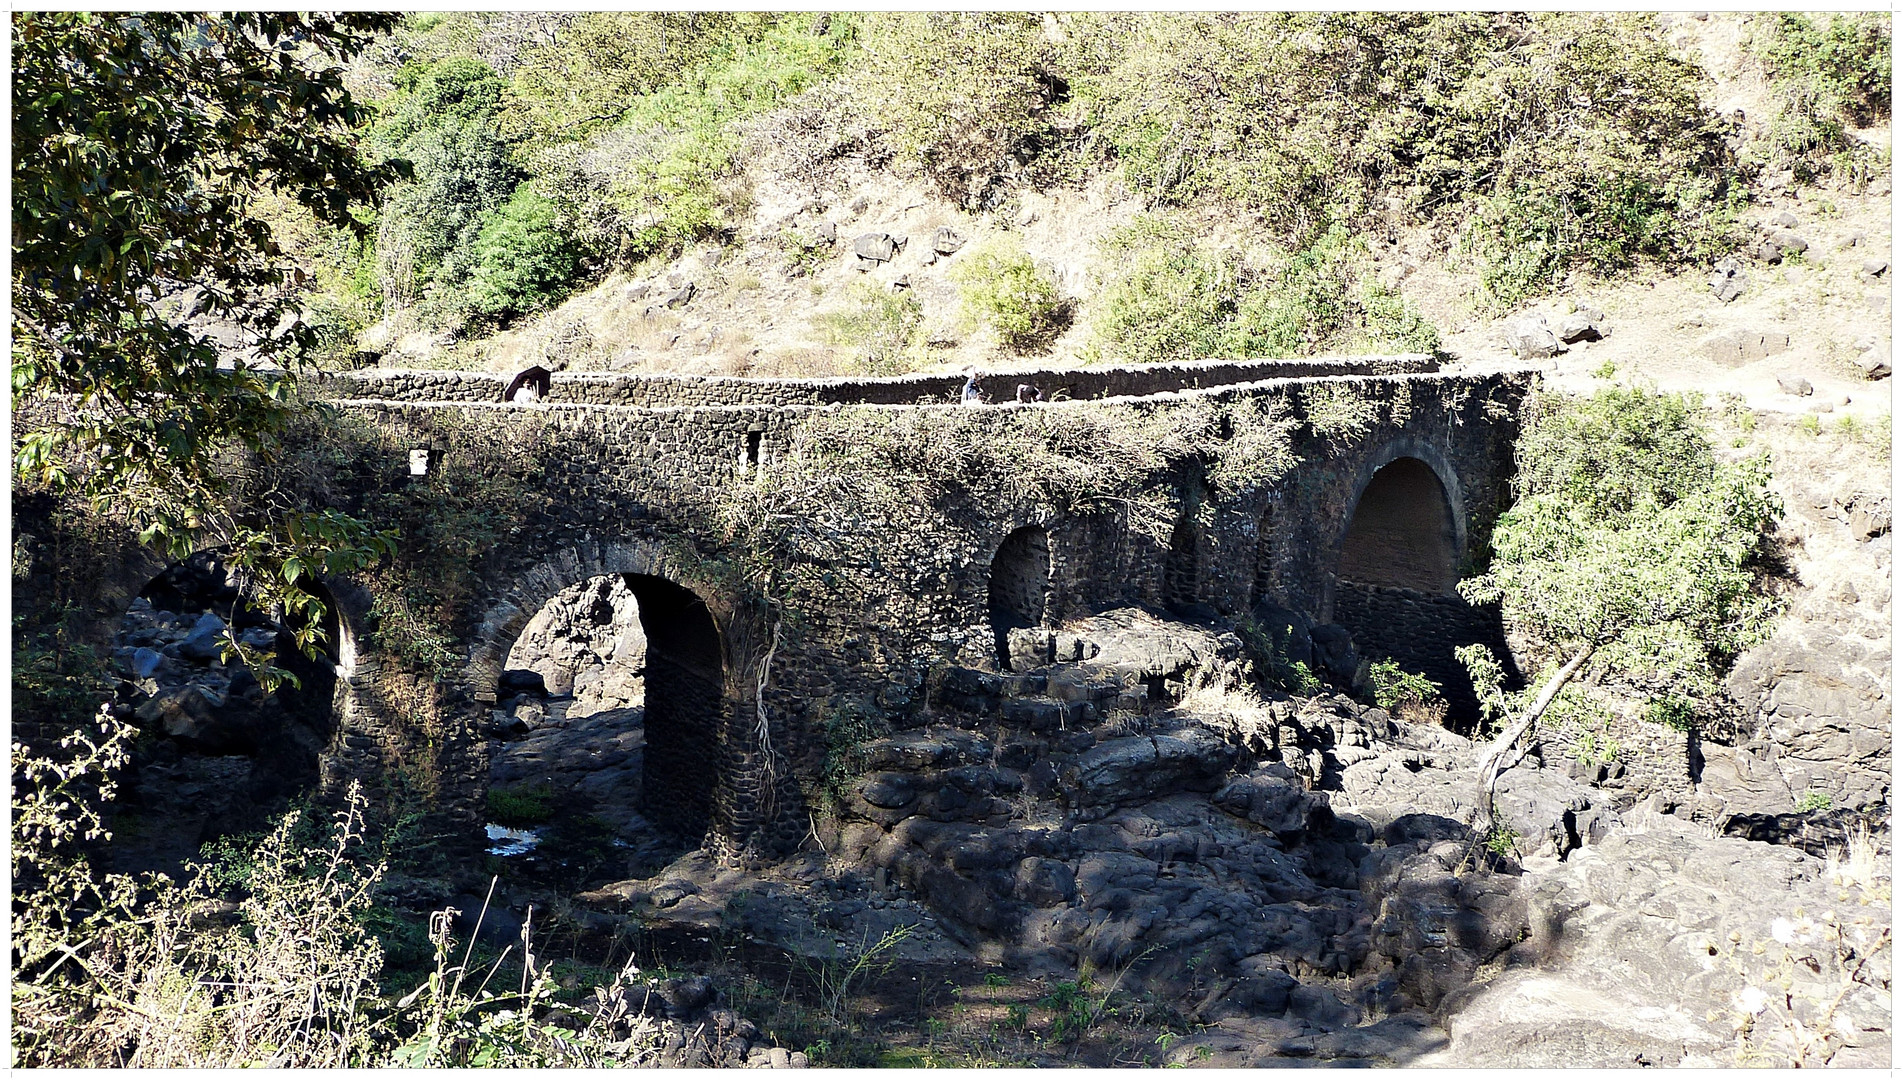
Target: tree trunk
{"type": "Point", "coordinates": [1491, 765]}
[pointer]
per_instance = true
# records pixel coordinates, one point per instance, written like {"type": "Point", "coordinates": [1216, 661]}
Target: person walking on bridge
{"type": "Point", "coordinates": [971, 395]}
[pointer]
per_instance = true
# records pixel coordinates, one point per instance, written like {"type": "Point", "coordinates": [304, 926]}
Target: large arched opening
{"type": "Point", "coordinates": [1402, 534]}
{"type": "Point", "coordinates": [1398, 564]}
{"type": "Point", "coordinates": [606, 721]}
{"type": "Point", "coordinates": [1020, 586]}
{"type": "Point", "coordinates": [218, 754]}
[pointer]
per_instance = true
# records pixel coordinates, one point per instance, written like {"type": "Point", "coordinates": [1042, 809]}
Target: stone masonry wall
{"type": "Point", "coordinates": [1421, 631]}
{"type": "Point", "coordinates": [630, 490]}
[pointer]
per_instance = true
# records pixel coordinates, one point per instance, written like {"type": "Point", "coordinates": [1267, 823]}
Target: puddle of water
{"type": "Point", "coordinates": [506, 841]}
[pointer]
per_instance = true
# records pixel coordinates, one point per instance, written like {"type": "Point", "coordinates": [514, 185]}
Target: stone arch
{"type": "Point", "coordinates": [1019, 591]}
{"type": "Point", "coordinates": [1405, 528]}
{"type": "Point", "coordinates": [1269, 549]}
{"type": "Point", "coordinates": [1182, 560]}
{"type": "Point", "coordinates": [689, 657]}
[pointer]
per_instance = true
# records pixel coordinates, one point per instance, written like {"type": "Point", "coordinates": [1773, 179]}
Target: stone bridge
{"type": "Point", "coordinates": [1399, 470]}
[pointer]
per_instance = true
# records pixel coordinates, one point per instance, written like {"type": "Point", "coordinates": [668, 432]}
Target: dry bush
{"type": "Point", "coordinates": [1413, 711]}
{"type": "Point", "coordinates": [1860, 863]}
{"type": "Point", "coordinates": [116, 971]}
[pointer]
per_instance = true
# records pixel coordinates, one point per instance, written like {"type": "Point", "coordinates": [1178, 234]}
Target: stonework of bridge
{"type": "Point", "coordinates": [1371, 527]}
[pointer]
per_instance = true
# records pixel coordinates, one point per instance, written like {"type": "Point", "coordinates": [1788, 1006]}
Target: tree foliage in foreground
{"type": "Point", "coordinates": [1631, 541]}
{"type": "Point", "coordinates": [140, 143]}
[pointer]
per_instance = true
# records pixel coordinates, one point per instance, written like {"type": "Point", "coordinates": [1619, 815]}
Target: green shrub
{"type": "Point", "coordinates": [593, 66]}
{"type": "Point", "coordinates": [1569, 140]}
{"type": "Point", "coordinates": [805, 252]}
{"type": "Point", "coordinates": [1812, 801]}
{"type": "Point", "coordinates": [1170, 298]}
{"type": "Point", "coordinates": [1489, 679]}
{"type": "Point", "coordinates": [521, 807]}
{"type": "Point", "coordinates": [1268, 648]}
{"type": "Point", "coordinates": [1391, 687]}
{"type": "Point", "coordinates": [1630, 539]}
{"type": "Point", "coordinates": [1001, 287]}
{"type": "Point", "coordinates": [1826, 72]}
{"type": "Point", "coordinates": [1167, 300]}
{"type": "Point", "coordinates": [1502, 841]}
{"type": "Point", "coordinates": [1594, 748]}
{"type": "Point", "coordinates": [1339, 413]}
{"type": "Point", "coordinates": [1392, 320]}
{"type": "Point", "coordinates": [957, 93]}
{"type": "Point", "coordinates": [1301, 306]}
{"type": "Point", "coordinates": [665, 174]}
{"type": "Point", "coordinates": [1675, 711]}
{"type": "Point", "coordinates": [522, 261]}
{"type": "Point", "coordinates": [879, 324]}
{"type": "Point", "coordinates": [442, 120]}
{"type": "Point", "coordinates": [848, 730]}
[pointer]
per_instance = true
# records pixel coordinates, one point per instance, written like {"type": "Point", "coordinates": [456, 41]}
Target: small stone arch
{"type": "Point", "coordinates": [689, 658]}
{"type": "Point", "coordinates": [1019, 591]}
{"type": "Point", "coordinates": [1181, 585]}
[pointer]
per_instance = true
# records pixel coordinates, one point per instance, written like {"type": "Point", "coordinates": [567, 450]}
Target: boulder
{"type": "Point", "coordinates": [1273, 797]}
{"type": "Point", "coordinates": [1729, 280]}
{"type": "Point", "coordinates": [1579, 327]}
{"type": "Point", "coordinates": [205, 643]}
{"type": "Point", "coordinates": [1141, 647]}
{"type": "Point", "coordinates": [1138, 767]}
{"type": "Point", "coordinates": [1781, 245]}
{"type": "Point", "coordinates": [1045, 882]}
{"type": "Point", "coordinates": [1793, 384]}
{"type": "Point", "coordinates": [946, 240]}
{"type": "Point", "coordinates": [188, 712]}
{"type": "Point", "coordinates": [258, 637]}
{"type": "Point", "coordinates": [144, 663]}
{"type": "Point", "coordinates": [1335, 652]}
{"type": "Point", "coordinates": [1263, 986]}
{"type": "Point", "coordinates": [1544, 808]}
{"type": "Point", "coordinates": [1867, 513]}
{"type": "Point", "coordinates": [888, 791]}
{"type": "Point", "coordinates": [1875, 267]}
{"type": "Point", "coordinates": [877, 247]}
{"type": "Point", "coordinates": [1735, 347]}
{"type": "Point", "coordinates": [683, 998]}
{"type": "Point", "coordinates": [1531, 339]}
{"type": "Point", "coordinates": [1437, 927]}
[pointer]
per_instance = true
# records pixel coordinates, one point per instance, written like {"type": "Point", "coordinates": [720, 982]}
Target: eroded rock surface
{"type": "Point", "coordinates": [1302, 878]}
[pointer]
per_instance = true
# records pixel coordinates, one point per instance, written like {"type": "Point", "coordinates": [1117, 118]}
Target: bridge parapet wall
{"type": "Point", "coordinates": [680, 391]}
